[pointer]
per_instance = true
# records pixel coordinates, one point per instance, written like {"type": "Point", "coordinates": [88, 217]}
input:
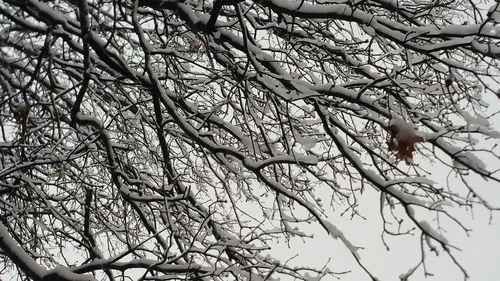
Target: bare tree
{"type": "Point", "coordinates": [177, 139]}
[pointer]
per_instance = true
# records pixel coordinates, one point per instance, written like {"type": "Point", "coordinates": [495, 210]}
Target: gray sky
{"type": "Point", "coordinates": [480, 251]}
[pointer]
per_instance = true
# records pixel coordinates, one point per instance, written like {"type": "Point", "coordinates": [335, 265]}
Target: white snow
{"type": "Point", "coordinates": [338, 234]}
{"type": "Point", "coordinates": [405, 130]}
{"type": "Point", "coordinates": [426, 227]}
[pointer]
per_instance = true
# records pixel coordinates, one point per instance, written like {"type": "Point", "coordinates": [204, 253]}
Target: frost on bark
{"type": "Point", "coordinates": [181, 139]}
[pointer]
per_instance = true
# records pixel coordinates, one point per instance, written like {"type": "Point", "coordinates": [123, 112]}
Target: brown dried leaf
{"type": "Point", "coordinates": [194, 46]}
{"type": "Point", "coordinates": [403, 145]}
{"type": "Point", "coordinates": [21, 112]}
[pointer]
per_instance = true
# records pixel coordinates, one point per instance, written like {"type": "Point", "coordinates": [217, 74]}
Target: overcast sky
{"type": "Point", "coordinates": [480, 252]}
